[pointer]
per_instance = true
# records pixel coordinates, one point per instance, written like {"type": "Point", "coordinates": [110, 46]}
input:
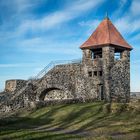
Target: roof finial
{"type": "Point", "coordinates": [106, 15]}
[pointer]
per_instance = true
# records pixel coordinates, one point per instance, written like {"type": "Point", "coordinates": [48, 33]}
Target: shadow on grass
{"type": "Point", "coordinates": [77, 115]}
{"type": "Point", "coordinates": [42, 123]}
{"type": "Point", "coordinates": [40, 135]}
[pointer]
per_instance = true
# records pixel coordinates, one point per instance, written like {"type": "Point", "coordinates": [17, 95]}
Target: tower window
{"type": "Point", "coordinates": [92, 55]}
{"type": "Point", "coordinates": [90, 73]}
{"type": "Point", "coordinates": [95, 73]}
{"type": "Point", "coordinates": [117, 56]}
{"type": "Point", "coordinates": [100, 73]}
{"type": "Point", "coordinates": [96, 54]}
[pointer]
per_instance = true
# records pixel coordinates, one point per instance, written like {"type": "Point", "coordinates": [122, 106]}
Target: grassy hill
{"type": "Point", "coordinates": [87, 121]}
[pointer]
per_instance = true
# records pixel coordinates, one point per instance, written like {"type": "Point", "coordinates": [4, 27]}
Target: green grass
{"type": "Point", "coordinates": [87, 121]}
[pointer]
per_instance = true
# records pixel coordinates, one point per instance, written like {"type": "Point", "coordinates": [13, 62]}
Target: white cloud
{"type": "Point", "coordinates": [130, 22]}
{"type": "Point", "coordinates": [17, 65]}
{"type": "Point", "coordinates": [120, 9]}
{"type": "Point", "coordinates": [123, 25]}
{"type": "Point", "coordinates": [49, 46]}
{"type": "Point", "coordinates": [122, 2]}
{"type": "Point", "coordinates": [135, 38]}
{"type": "Point", "coordinates": [73, 10]}
{"type": "Point", "coordinates": [92, 23]}
{"type": "Point", "coordinates": [128, 26]}
{"type": "Point", "coordinates": [28, 23]}
{"type": "Point", "coordinates": [126, 23]}
{"type": "Point", "coordinates": [135, 8]}
{"type": "Point", "coordinates": [22, 6]}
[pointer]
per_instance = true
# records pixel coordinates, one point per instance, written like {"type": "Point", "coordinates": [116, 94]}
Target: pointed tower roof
{"type": "Point", "coordinates": [105, 34]}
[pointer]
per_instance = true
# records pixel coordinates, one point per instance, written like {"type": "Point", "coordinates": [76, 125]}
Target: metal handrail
{"type": "Point", "coordinates": [55, 63]}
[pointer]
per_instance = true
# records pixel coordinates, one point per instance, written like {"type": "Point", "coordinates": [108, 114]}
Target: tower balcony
{"type": "Point", "coordinates": [97, 62]}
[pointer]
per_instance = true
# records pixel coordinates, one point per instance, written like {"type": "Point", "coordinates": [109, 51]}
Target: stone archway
{"type": "Point", "coordinates": [52, 94]}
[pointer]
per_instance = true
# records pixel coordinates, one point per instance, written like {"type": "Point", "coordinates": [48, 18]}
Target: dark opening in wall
{"type": "Point", "coordinates": [90, 73]}
{"type": "Point", "coordinates": [100, 73]}
{"type": "Point", "coordinates": [101, 92]}
{"type": "Point", "coordinates": [95, 73]}
{"type": "Point", "coordinates": [96, 53]}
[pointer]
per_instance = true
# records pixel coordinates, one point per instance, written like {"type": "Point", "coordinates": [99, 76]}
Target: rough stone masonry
{"type": "Point", "coordinates": [102, 74]}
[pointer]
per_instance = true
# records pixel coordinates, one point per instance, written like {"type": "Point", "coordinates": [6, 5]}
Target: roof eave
{"type": "Point", "coordinates": [102, 45]}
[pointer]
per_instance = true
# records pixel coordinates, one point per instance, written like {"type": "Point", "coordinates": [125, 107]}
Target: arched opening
{"type": "Point", "coordinates": [52, 94]}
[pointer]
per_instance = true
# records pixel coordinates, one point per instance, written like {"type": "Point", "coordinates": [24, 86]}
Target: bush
{"type": "Point", "coordinates": [107, 108]}
{"type": "Point", "coordinates": [118, 107]}
{"type": "Point", "coordinates": [134, 107]}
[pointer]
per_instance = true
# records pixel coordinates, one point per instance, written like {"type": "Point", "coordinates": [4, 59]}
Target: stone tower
{"type": "Point", "coordinates": [106, 56]}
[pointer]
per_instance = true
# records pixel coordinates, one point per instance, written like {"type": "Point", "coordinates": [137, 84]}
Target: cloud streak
{"type": "Point", "coordinates": [17, 65]}
{"type": "Point", "coordinates": [135, 8]}
{"type": "Point", "coordinates": [70, 12]}
{"type": "Point", "coordinates": [40, 45]}
{"type": "Point", "coordinates": [130, 22]}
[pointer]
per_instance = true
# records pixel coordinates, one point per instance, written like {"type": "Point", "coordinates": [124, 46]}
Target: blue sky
{"type": "Point", "coordinates": [35, 32]}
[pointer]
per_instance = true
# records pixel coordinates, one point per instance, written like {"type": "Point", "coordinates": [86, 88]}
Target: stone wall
{"type": "Point", "coordinates": [116, 74]}
{"type": "Point", "coordinates": [72, 80]}
{"type": "Point", "coordinates": [120, 85]}
{"type": "Point", "coordinates": [12, 85]}
{"type": "Point", "coordinates": [108, 62]}
{"type": "Point", "coordinates": [19, 99]}
{"type": "Point", "coordinates": [120, 78]}
{"type": "Point", "coordinates": [80, 80]}
{"type": "Point", "coordinates": [62, 77]}
{"type": "Point", "coordinates": [95, 78]}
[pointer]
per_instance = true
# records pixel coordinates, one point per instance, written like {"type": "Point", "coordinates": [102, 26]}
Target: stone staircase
{"type": "Point", "coordinates": [18, 98]}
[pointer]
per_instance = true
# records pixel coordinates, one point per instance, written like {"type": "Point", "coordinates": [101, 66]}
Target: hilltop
{"type": "Point", "coordinates": [96, 120]}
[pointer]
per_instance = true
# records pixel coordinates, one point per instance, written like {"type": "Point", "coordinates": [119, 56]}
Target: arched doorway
{"type": "Point", "coordinates": [52, 94]}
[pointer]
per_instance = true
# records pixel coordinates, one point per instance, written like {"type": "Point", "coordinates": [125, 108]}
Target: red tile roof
{"type": "Point", "coordinates": [105, 34]}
